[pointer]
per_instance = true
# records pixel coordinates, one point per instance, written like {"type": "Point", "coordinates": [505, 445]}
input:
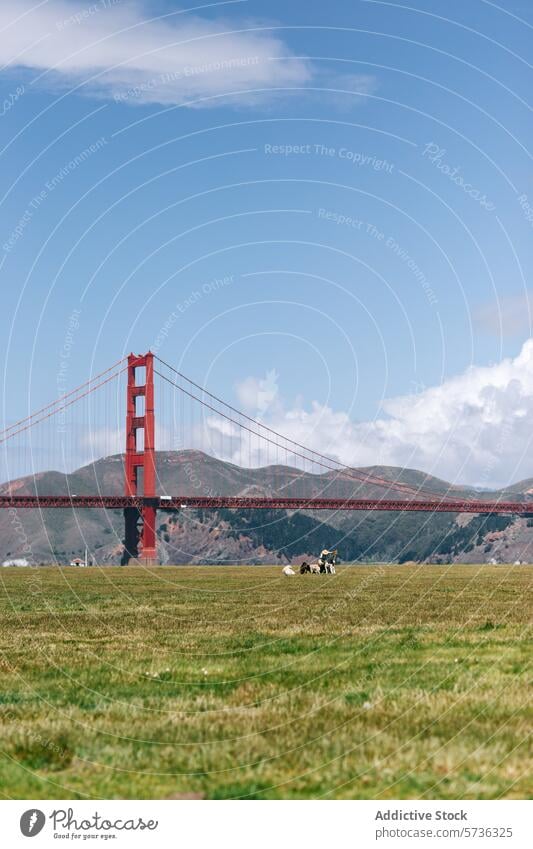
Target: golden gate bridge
{"type": "Point", "coordinates": [142, 498]}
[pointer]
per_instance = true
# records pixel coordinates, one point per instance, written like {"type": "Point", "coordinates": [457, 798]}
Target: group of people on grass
{"type": "Point", "coordinates": [324, 565]}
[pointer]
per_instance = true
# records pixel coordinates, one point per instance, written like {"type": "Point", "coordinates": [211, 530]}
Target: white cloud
{"type": "Point", "coordinates": [116, 50]}
{"type": "Point", "coordinates": [473, 428]}
{"type": "Point", "coordinates": [508, 316]}
{"type": "Point", "coordinates": [256, 395]}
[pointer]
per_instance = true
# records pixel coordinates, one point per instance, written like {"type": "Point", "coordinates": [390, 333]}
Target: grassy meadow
{"type": "Point", "coordinates": [220, 682]}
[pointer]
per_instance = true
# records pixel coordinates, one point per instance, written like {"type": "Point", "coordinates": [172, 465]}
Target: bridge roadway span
{"type": "Point", "coordinates": [121, 502]}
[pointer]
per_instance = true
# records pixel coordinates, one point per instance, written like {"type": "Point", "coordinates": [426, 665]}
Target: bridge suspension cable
{"type": "Point", "coordinates": [60, 402]}
{"type": "Point", "coordinates": [296, 448]}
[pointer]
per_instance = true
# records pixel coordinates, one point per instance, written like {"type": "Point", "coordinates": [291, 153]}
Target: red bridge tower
{"type": "Point", "coordinates": [140, 534]}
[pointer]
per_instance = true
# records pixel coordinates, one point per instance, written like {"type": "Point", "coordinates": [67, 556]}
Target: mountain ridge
{"type": "Point", "coordinates": [218, 536]}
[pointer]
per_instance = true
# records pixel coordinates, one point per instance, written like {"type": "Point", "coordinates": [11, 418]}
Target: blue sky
{"type": "Point", "coordinates": [335, 203]}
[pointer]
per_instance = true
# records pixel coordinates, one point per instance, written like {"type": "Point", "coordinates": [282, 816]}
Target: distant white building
{"type": "Point", "coordinates": [17, 561]}
{"type": "Point", "coordinates": [77, 561]}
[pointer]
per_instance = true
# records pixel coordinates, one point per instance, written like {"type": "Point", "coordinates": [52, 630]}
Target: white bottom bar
{"type": "Point", "coordinates": [267, 824]}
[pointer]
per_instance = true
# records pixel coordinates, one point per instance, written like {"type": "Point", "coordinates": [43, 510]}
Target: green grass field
{"type": "Point", "coordinates": [217, 682]}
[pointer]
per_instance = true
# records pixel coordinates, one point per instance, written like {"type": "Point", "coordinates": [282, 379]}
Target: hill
{"type": "Point", "coordinates": [260, 536]}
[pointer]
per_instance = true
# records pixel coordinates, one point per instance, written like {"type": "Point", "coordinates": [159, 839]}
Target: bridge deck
{"type": "Point", "coordinates": [120, 502]}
